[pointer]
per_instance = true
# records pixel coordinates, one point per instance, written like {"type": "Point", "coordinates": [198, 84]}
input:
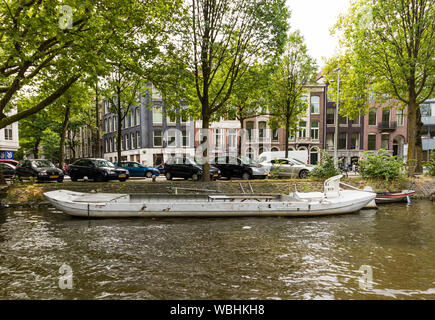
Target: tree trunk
{"type": "Point", "coordinates": [239, 138]}
{"type": "Point", "coordinates": [36, 148]}
{"type": "Point", "coordinates": [412, 129]}
{"type": "Point", "coordinates": [97, 123]}
{"type": "Point", "coordinates": [205, 153]}
{"type": "Point", "coordinates": [287, 133]}
{"type": "Point", "coordinates": [63, 136]}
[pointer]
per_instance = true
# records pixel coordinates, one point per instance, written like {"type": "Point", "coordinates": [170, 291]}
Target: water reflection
{"type": "Point", "coordinates": [241, 258]}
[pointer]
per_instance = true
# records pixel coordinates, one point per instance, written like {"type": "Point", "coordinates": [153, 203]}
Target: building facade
{"type": "Point", "coordinates": [149, 135]}
{"type": "Point", "coordinates": [427, 110]}
{"type": "Point", "coordinates": [9, 142]}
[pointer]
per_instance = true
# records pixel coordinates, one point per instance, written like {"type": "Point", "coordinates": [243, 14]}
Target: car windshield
{"type": "Point", "coordinates": [297, 161]}
{"type": "Point", "coordinates": [42, 164]}
{"type": "Point", "coordinates": [246, 160]}
{"type": "Point", "coordinates": [103, 163]}
{"type": "Point", "coordinates": [190, 161]}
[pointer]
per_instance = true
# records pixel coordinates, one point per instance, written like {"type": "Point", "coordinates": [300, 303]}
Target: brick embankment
{"type": "Point", "coordinates": [32, 194]}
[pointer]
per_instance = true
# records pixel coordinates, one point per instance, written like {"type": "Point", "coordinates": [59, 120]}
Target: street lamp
{"type": "Point", "coordinates": [336, 120]}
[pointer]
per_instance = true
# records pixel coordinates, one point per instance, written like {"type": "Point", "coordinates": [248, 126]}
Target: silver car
{"type": "Point", "coordinates": [290, 168]}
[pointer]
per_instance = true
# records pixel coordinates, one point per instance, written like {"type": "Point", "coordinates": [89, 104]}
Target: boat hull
{"type": "Point", "coordinates": [386, 197]}
{"type": "Point", "coordinates": [127, 207]}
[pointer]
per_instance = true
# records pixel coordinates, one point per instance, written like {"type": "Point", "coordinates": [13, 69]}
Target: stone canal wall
{"type": "Point", "coordinates": [27, 194]}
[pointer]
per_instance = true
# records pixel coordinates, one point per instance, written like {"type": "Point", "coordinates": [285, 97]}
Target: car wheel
{"type": "Point", "coordinates": [168, 176]}
{"type": "Point", "coordinates": [73, 177]}
{"type": "Point", "coordinates": [195, 177]}
{"type": "Point", "coordinates": [60, 180]}
{"type": "Point", "coordinates": [122, 180]}
{"type": "Point", "coordinates": [246, 176]}
{"type": "Point", "coordinates": [303, 174]}
{"type": "Point", "coordinates": [149, 174]}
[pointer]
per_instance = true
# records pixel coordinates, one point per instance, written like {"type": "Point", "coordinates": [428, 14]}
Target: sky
{"type": "Point", "coordinates": [314, 18]}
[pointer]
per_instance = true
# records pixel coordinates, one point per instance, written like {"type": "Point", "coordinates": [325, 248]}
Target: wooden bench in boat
{"type": "Point", "coordinates": [242, 197]}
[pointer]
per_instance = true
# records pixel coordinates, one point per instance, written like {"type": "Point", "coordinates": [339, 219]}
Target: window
{"type": "Point", "coordinates": [342, 136]}
{"type": "Point", "coordinates": [372, 117]}
{"type": "Point", "coordinates": [330, 140]}
{"type": "Point", "coordinates": [157, 138]}
{"type": "Point", "coordinates": [330, 113]}
{"type": "Point", "coordinates": [315, 104]}
{"type": "Point", "coordinates": [232, 138]}
{"type": "Point", "coordinates": [354, 141]}
{"type": "Point", "coordinates": [371, 141]}
{"type": "Point", "coordinates": [115, 144]}
{"type": "Point", "coordinates": [399, 117]}
{"type": "Point", "coordinates": [172, 138]}
{"type": "Point", "coordinates": [262, 129]}
{"type": "Point", "coordinates": [138, 139]}
{"type": "Point", "coordinates": [385, 141]}
{"type": "Point", "coordinates": [342, 120]}
{"type": "Point", "coordinates": [250, 128]}
{"type": "Point", "coordinates": [171, 119]}
{"type": "Point", "coordinates": [157, 115]}
{"type": "Point", "coordinates": [385, 116]}
{"type": "Point", "coordinates": [137, 121]}
{"type": "Point", "coordinates": [156, 95]}
{"type": "Point", "coordinates": [127, 142]}
{"type": "Point", "coordinates": [250, 153]}
{"type": "Point", "coordinates": [302, 129]}
{"type": "Point", "coordinates": [185, 138]}
{"type": "Point", "coordinates": [356, 120]}
{"type": "Point", "coordinates": [315, 130]}
{"type": "Point", "coordinates": [275, 134]}
{"type": "Point", "coordinates": [8, 132]}
{"type": "Point", "coordinates": [132, 141]}
{"type": "Point", "coordinates": [217, 138]}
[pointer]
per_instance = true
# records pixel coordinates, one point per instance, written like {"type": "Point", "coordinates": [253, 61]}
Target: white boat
{"type": "Point", "coordinates": [109, 205]}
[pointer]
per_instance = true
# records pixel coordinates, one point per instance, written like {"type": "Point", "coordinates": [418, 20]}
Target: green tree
{"type": "Point", "coordinates": [248, 97]}
{"type": "Point", "coordinates": [223, 38]}
{"type": "Point", "coordinates": [286, 89]}
{"type": "Point", "coordinates": [389, 45]}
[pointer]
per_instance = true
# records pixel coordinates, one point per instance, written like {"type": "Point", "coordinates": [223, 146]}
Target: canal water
{"type": "Point", "coordinates": [374, 254]}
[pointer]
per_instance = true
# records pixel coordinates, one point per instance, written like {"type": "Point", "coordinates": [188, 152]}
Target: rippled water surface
{"type": "Point", "coordinates": [221, 258]}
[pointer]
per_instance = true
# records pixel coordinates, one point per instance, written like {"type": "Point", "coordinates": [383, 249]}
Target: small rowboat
{"type": "Point", "coordinates": [389, 197]}
{"type": "Point", "coordinates": [331, 201]}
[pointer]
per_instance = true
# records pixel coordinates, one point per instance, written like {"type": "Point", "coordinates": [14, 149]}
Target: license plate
{"type": "Point", "coordinates": [122, 175]}
{"type": "Point", "coordinates": [215, 175]}
{"type": "Point", "coordinates": [54, 177]}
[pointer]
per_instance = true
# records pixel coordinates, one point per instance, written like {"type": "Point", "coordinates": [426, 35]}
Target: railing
{"type": "Point", "coordinates": [387, 125]}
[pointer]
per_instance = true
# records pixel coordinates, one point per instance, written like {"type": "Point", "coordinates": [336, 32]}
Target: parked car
{"type": "Point", "coordinates": [138, 170]}
{"type": "Point", "coordinates": [161, 168]}
{"type": "Point", "coordinates": [41, 169]}
{"type": "Point", "coordinates": [243, 167]}
{"type": "Point", "coordinates": [12, 162]}
{"type": "Point", "coordinates": [8, 170]}
{"type": "Point", "coordinates": [97, 170]}
{"type": "Point", "coordinates": [291, 168]}
{"type": "Point", "coordinates": [185, 167]}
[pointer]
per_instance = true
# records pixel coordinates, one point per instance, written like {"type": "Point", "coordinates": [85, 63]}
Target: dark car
{"type": "Point", "coordinates": [41, 169]}
{"type": "Point", "coordinates": [12, 162]}
{"type": "Point", "coordinates": [161, 168]}
{"type": "Point", "coordinates": [243, 167]}
{"type": "Point", "coordinates": [97, 170]}
{"type": "Point", "coordinates": [185, 167]}
{"type": "Point", "coordinates": [138, 170]}
{"type": "Point", "coordinates": [8, 170]}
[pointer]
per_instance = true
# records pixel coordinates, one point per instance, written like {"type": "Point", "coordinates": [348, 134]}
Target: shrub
{"type": "Point", "coordinates": [431, 164]}
{"type": "Point", "coordinates": [380, 165]}
{"type": "Point", "coordinates": [326, 168]}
